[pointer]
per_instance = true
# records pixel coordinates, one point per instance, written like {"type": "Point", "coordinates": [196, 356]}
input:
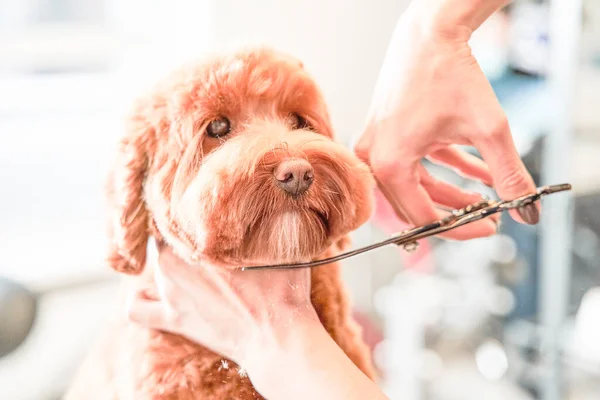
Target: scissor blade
{"type": "Point", "coordinates": [555, 188]}
{"type": "Point", "coordinates": [467, 215]}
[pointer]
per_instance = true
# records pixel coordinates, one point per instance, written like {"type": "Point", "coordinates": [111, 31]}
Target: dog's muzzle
{"type": "Point", "coordinates": [294, 176]}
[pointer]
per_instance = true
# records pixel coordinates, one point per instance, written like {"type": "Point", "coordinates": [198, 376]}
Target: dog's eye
{"type": "Point", "coordinates": [218, 127]}
{"type": "Point", "coordinates": [299, 122]}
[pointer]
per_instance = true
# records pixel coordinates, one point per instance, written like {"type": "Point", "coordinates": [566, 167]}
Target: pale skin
{"type": "Point", "coordinates": [259, 319]}
{"type": "Point", "coordinates": [431, 95]}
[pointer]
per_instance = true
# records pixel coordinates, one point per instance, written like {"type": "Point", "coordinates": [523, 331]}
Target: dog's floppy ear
{"type": "Point", "coordinates": [128, 216]}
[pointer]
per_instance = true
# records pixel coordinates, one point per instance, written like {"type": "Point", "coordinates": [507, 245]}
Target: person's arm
{"type": "Point", "coordinates": [308, 364]}
{"type": "Point", "coordinates": [262, 320]}
{"type": "Point", "coordinates": [430, 97]}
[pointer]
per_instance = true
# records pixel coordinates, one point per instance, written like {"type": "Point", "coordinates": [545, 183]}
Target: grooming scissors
{"type": "Point", "coordinates": [408, 238]}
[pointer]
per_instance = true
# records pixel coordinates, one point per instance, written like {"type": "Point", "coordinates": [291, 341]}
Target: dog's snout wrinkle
{"type": "Point", "coordinates": [294, 176]}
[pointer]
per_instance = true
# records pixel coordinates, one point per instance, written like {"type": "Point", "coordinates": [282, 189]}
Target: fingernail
{"type": "Point", "coordinates": [530, 214]}
{"type": "Point", "coordinates": [498, 225]}
{"type": "Point", "coordinates": [149, 294]}
{"type": "Point", "coordinates": [131, 315]}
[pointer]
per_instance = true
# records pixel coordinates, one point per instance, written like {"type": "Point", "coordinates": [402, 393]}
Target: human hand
{"type": "Point", "coordinates": [235, 313]}
{"type": "Point", "coordinates": [431, 96]}
{"type": "Point", "coordinates": [261, 320]}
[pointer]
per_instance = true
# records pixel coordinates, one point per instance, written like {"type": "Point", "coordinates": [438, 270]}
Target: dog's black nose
{"type": "Point", "coordinates": [294, 175]}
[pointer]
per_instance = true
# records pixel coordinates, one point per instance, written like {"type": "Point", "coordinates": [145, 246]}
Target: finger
{"type": "Point", "coordinates": [172, 272]}
{"type": "Point", "coordinates": [448, 195]}
{"type": "Point", "coordinates": [149, 294]}
{"type": "Point", "coordinates": [290, 287]}
{"type": "Point", "coordinates": [167, 283]}
{"type": "Point", "coordinates": [165, 287]}
{"type": "Point", "coordinates": [145, 312]}
{"type": "Point", "coordinates": [400, 213]}
{"type": "Point", "coordinates": [291, 284]}
{"type": "Point", "coordinates": [511, 178]}
{"type": "Point", "coordinates": [228, 283]}
{"type": "Point", "coordinates": [463, 163]}
{"type": "Point", "coordinates": [404, 189]}
{"type": "Point", "coordinates": [444, 193]}
{"type": "Point", "coordinates": [361, 150]}
{"type": "Point", "coordinates": [202, 284]}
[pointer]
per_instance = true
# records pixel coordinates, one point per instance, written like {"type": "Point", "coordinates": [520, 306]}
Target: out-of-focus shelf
{"type": "Point", "coordinates": [526, 101]}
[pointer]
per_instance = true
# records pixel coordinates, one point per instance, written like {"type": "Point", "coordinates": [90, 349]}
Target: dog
{"type": "Point", "coordinates": [230, 159]}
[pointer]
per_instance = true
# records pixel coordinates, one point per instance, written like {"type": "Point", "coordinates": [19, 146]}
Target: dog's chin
{"type": "Point", "coordinates": [289, 237]}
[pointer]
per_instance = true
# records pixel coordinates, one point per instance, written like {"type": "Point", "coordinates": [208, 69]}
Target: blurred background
{"type": "Point", "coordinates": [515, 316]}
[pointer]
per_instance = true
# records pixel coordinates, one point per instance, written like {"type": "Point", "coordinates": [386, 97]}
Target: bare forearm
{"type": "Point", "coordinates": [310, 366]}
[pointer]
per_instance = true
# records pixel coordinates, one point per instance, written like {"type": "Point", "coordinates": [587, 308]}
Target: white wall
{"type": "Point", "coordinates": [342, 43]}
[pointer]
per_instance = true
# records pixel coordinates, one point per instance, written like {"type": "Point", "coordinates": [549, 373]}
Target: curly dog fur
{"type": "Point", "coordinates": [214, 197]}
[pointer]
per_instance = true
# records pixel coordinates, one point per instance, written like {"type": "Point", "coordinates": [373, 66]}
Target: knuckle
{"type": "Point", "coordinates": [361, 149]}
{"type": "Point", "coordinates": [515, 179]}
{"type": "Point", "coordinates": [385, 168]}
{"type": "Point", "coordinates": [172, 298]}
{"type": "Point", "coordinates": [498, 129]}
{"type": "Point", "coordinates": [131, 313]}
{"type": "Point", "coordinates": [175, 318]}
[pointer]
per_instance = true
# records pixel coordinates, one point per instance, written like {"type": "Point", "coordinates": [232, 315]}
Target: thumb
{"type": "Point", "coordinates": [511, 178]}
{"type": "Point", "coordinates": [146, 312]}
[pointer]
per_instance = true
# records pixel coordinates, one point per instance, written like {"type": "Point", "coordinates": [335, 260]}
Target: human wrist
{"type": "Point", "coordinates": [450, 19]}
{"type": "Point", "coordinates": [281, 331]}
{"type": "Point", "coordinates": [293, 344]}
{"type": "Point", "coordinates": [321, 370]}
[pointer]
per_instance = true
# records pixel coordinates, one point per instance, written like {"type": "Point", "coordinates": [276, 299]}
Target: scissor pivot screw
{"type": "Point", "coordinates": [411, 247]}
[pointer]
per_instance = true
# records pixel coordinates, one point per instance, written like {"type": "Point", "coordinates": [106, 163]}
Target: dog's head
{"type": "Point", "coordinates": [233, 159]}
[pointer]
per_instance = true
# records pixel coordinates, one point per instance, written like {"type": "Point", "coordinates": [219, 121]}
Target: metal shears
{"type": "Point", "coordinates": [408, 239]}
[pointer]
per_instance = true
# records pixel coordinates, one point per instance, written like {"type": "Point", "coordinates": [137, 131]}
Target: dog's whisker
{"type": "Point", "coordinates": [335, 207]}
